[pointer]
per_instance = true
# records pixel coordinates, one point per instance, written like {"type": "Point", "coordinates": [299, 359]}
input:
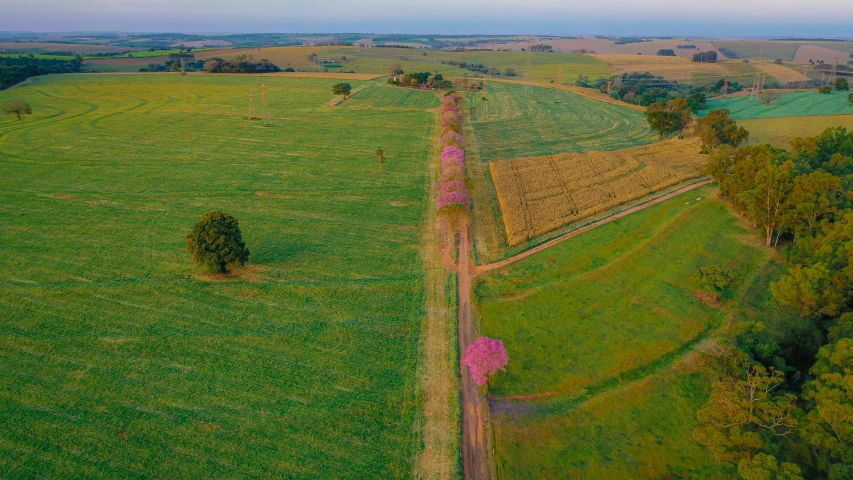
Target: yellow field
{"type": "Point", "coordinates": [541, 194]}
{"type": "Point", "coordinates": [781, 72]}
{"type": "Point", "coordinates": [671, 68]}
{"type": "Point", "coordinates": [779, 131]}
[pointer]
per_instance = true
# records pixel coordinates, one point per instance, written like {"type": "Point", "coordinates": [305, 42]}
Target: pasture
{"type": "Point", "coordinates": [596, 328]}
{"type": "Point", "coordinates": [790, 105]}
{"type": "Point", "coordinates": [680, 69]}
{"type": "Point", "coordinates": [122, 359]}
{"type": "Point", "coordinates": [379, 95]}
{"type": "Point", "coordinates": [513, 121]}
{"type": "Point", "coordinates": [760, 49]}
{"type": "Point", "coordinates": [77, 48]}
{"type": "Point", "coordinates": [780, 131]}
{"type": "Point", "coordinates": [541, 194]}
{"type": "Point", "coordinates": [781, 73]}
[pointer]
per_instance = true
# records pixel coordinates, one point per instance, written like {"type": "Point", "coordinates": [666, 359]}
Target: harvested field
{"type": "Point", "coordinates": [540, 194]}
{"type": "Point", "coordinates": [671, 68]}
{"type": "Point", "coordinates": [782, 73]}
{"type": "Point", "coordinates": [822, 53]}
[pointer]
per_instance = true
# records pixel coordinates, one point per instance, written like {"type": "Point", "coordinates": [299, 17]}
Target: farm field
{"type": "Point", "coordinates": [512, 121]}
{"type": "Point", "coordinates": [790, 105]}
{"type": "Point", "coordinates": [781, 73]}
{"type": "Point", "coordinates": [780, 131]}
{"type": "Point", "coordinates": [671, 68]}
{"type": "Point", "coordinates": [122, 358]}
{"type": "Point", "coordinates": [758, 49]}
{"type": "Point", "coordinates": [77, 48]}
{"type": "Point", "coordinates": [595, 328]}
{"type": "Point", "coordinates": [544, 66]}
{"type": "Point", "coordinates": [540, 194]}
{"type": "Point", "coordinates": [379, 95]}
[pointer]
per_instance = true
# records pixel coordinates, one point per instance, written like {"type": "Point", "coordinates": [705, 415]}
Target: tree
{"type": "Point", "coordinates": [766, 467]}
{"type": "Point", "coordinates": [216, 242]}
{"type": "Point", "coordinates": [841, 84]}
{"type": "Point", "coordinates": [829, 425]}
{"type": "Point", "coordinates": [744, 414]}
{"type": "Point", "coordinates": [768, 97]}
{"type": "Point", "coordinates": [815, 196]}
{"type": "Point", "coordinates": [485, 357]}
{"type": "Point", "coordinates": [766, 201]}
{"type": "Point", "coordinates": [850, 98]}
{"type": "Point", "coordinates": [670, 117]}
{"type": "Point", "coordinates": [18, 107]}
{"type": "Point", "coordinates": [395, 69]}
{"type": "Point", "coordinates": [718, 128]}
{"type": "Point", "coordinates": [826, 89]}
{"type": "Point", "coordinates": [808, 290]}
{"type": "Point", "coordinates": [342, 89]}
{"type": "Point", "coordinates": [380, 155]}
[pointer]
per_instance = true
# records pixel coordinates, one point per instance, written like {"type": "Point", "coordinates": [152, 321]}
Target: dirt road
{"type": "Point", "coordinates": [475, 453]}
{"type": "Point", "coordinates": [533, 251]}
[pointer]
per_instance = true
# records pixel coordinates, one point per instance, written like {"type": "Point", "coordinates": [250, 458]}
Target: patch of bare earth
{"type": "Point", "coordinates": [246, 273]}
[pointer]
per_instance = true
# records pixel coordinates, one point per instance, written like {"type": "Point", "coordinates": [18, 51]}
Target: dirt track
{"type": "Point", "coordinates": [533, 251]}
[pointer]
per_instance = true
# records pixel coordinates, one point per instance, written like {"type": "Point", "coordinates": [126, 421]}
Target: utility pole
{"type": "Point", "coordinates": [251, 105]}
{"type": "Point", "coordinates": [266, 110]}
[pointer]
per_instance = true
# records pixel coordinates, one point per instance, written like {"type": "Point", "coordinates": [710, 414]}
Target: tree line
{"type": "Point", "coordinates": [242, 64]}
{"type": "Point", "coordinates": [14, 70]}
{"type": "Point", "coordinates": [781, 403]}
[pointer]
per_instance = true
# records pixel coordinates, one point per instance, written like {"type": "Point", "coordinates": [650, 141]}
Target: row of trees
{"type": "Point", "coordinates": [421, 80]}
{"type": "Point", "coordinates": [14, 70]}
{"type": "Point", "coordinates": [705, 57]}
{"type": "Point", "coordinates": [242, 64]}
{"type": "Point", "coordinates": [782, 403]}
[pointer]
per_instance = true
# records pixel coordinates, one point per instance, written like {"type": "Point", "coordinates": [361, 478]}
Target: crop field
{"type": "Point", "coordinates": [671, 68]}
{"type": "Point", "coordinates": [379, 95]}
{"type": "Point", "coordinates": [596, 327]}
{"type": "Point", "coordinates": [81, 49]}
{"type": "Point", "coordinates": [121, 358]}
{"type": "Point", "coordinates": [756, 49]}
{"type": "Point", "coordinates": [796, 104]}
{"type": "Point", "coordinates": [541, 194]}
{"type": "Point", "coordinates": [543, 66]}
{"type": "Point", "coordinates": [782, 73]}
{"type": "Point", "coordinates": [514, 121]}
{"type": "Point", "coordinates": [780, 131]}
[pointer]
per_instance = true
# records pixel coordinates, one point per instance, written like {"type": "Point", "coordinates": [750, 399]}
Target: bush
{"type": "Point", "coordinates": [216, 242]}
{"type": "Point", "coordinates": [825, 89]}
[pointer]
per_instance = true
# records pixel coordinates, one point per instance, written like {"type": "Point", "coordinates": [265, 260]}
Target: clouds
{"type": "Point", "coordinates": [657, 17]}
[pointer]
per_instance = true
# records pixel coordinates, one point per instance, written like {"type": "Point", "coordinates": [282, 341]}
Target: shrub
{"type": "Point", "coordinates": [717, 279]}
{"type": "Point", "coordinates": [825, 89]}
{"type": "Point", "coordinates": [485, 357]}
{"type": "Point", "coordinates": [216, 242]}
{"type": "Point", "coordinates": [452, 139]}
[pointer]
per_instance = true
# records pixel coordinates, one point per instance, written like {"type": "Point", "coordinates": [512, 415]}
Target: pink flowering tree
{"type": "Point", "coordinates": [452, 156]}
{"type": "Point", "coordinates": [454, 186]}
{"type": "Point", "coordinates": [452, 139]}
{"type": "Point", "coordinates": [485, 357]}
{"type": "Point", "coordinates": [453, 199]}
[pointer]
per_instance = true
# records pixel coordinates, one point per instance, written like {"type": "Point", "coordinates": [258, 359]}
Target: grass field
{"type": "Point", "coordinates": [780, 131]}
{"type": "Point", "coordinates": [78, 48]}
{"type": "Point", "coordinates": [671, 68]}
{"type": "Point", "coordinates": [122, 359]}
{"type": "Point", "coordinates": [781, 73]}
{"type": "Point", "coordinates": [379, 95]}
{"type": "Point", "coordinates": [543, 66]}
{"type": "Point", "coordinates": [755, 49]}
{"type": "Point", "coordinates": [514, 121]}
{"type": "Point", "coordinates": [790, 105]}
{"type": "Point", "coordinates": [595, 327]}
{"type": "Point", "coordinates": [540, 194]}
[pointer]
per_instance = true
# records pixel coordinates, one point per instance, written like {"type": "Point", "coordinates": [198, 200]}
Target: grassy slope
{"type": "Point", "coordinates": [379, 95]}
{"type": "Point", "coordinates": [760, 49]}
{"type": "Point", "coordinates": [779, 131]}
{"type": "Point", "coordinates": [513, 123]}
{"type": "Point", "coordinates": [611, 306]}
{"type": "Point", "coordinates": [121, 361]}
{"type": "Point", "coordinates": [790, 105]}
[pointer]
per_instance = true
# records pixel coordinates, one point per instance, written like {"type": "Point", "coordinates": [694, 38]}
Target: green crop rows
{"type": "Point", "coordinates": [121, 359]}
{"type": "Point", "coordinates": [790, 105]}
{"type": "Point", "coordinates": [512, 121]}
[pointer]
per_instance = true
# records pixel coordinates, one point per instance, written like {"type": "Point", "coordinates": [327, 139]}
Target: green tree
{"type": "Point", "coordinates": [850, 98]}
{"type": "Point", "coordinates": [828, 426]}
{"type": "Point", "coordinates": [18, 107]}
{"type": "Point", "coordinates": [766, 201]}
{"type": "Point", "coordinates": [670, 117]}
{"type": "Point", "coordinates": [809, 290]}
{"type": "Point", "coordinates": [342, 89]}
{"type": "Point", "coordinates": [841, 84]}
{"type": "Point", "coordinates": [717, 128]}
{"type": "Point", "coordinates": [766, 467]}
{"type": "Point", "coordinates": [815, 196]}
{"type": "Point", "coordinates": [744, 414]}
{"type": "Point", "coordinates": [768, 97]}
{"type": "Point", "coordinates": [216, 242]}
{"type": "Point", "coordinates": [826, 89]}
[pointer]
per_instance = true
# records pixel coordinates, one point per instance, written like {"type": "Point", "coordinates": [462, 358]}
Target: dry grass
{"type": "Point", "coordinates": [814, 52]}
{"type": "Point", "coordinates": [540, 194]}
{"type": "Point", "coordinates": [671, 68]}
{"type": "Point", "coordinates": [781, 72]}
{"type": "Point", "coordinates": [780, 131]}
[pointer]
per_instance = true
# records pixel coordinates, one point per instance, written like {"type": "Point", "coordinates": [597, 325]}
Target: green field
{"type": "Point", "coordinates": [790, 105]}
{"type": "Point", "coordinates": [379, 95]}
{"type": "Point", "coordinates": [512, 121]}
{"type": "Point", "coordinates": [780, 131]}
{"type": "Point", "coordinates": [594, 327]}
{"type": "Point", "coordinates": [122, 359]}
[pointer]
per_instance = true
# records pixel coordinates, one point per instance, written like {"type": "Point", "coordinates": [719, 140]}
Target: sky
{"type": "Point", "coordinates": [812, 18]}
